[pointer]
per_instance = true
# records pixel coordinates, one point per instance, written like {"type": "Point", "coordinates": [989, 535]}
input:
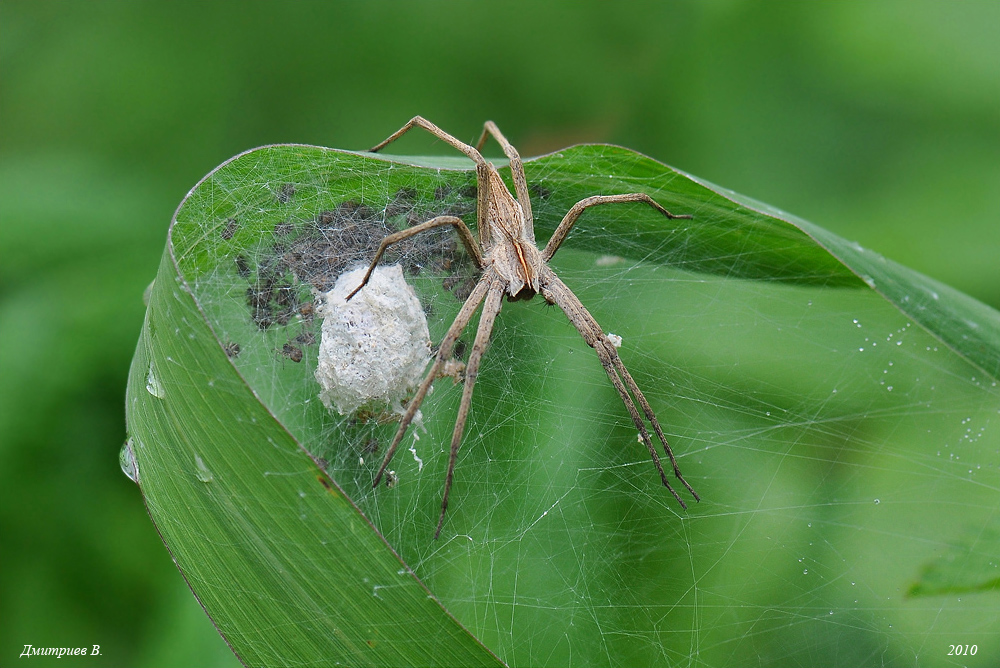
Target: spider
{"type": "Point", "coordinates": [511, 265]}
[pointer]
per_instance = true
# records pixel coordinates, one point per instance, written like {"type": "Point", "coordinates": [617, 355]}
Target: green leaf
{"type": "Point", "coordinates": [287, 568]}
{"type": "Point", "coordinates": [834, 410]}
{"type": "Point", "coordinates": [969, 565]}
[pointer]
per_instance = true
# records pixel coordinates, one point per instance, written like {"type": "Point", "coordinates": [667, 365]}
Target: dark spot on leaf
{"type": "Point", "coordinates": [285, 193]}
{"type": "Point", "coordinates": [327, 484]}
{"type": "Point", "coordinates": [292, 352]}
{"type": "Point", "coordinates": [403, 201]}
{"type": "Point", "coordinates": [539, 191]}
{"type": "Point", "coordinates": [229, 229]}
{"type": "Point", "coordinates": [464, 288]}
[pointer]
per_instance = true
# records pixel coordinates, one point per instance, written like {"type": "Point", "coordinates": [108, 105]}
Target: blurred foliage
{"type": "Point", "coordinates": [876, 120]}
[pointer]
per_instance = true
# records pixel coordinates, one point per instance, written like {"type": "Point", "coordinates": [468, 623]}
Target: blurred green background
{"type": "Point", "coordinates": [879, 121]}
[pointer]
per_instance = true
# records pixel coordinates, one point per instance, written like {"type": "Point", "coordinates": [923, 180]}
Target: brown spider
{"type": "Point", "coordinates": [511, 264]}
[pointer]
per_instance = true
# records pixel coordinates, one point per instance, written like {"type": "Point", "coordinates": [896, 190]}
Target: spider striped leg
{"type": "Point", "coordinates": [494, 300]}
{"type": "Point", "coordinates": [464, 233]}
{"type": "Point", "coordinates": [444, 352]}
{"type": "Point", "coordinates": [647, 409]}
{"type": "Point", "coordinates": [555, 291]}
{"type": "Point", "coordinates": [516, 170]}
{"type": "Point", "coordinates": [570, 218]}
{"type": "Point", "coordinates": [423, 123]}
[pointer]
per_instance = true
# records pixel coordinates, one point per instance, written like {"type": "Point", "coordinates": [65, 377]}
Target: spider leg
{"type": "Point", "coordinates": [555, 291]}
{"type": "Point", "coordinates": [421, 122]}
{"type": "Point", "coordinates": [634, 389]}
{"type": "Point", "coordinates": [444, 352]}
{"type": "Point", "coordinates": [494, 300]}
{"type": "Point", "coordinates": [516, 169]}
{"type": "Point", "coordinates": [570, 218]}
{"type": "Point", "coordinates": [482, 169]}
{"type": "Point", "coordinates": [464, 233]}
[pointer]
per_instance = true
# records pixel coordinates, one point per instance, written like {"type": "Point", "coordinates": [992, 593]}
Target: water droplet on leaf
{"type": "Point", "coordinates": [153, 385]}
{"type": "Point", "coordinates": [202, 471]}
{"type": "Point", "coordinates": [126, 459]}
